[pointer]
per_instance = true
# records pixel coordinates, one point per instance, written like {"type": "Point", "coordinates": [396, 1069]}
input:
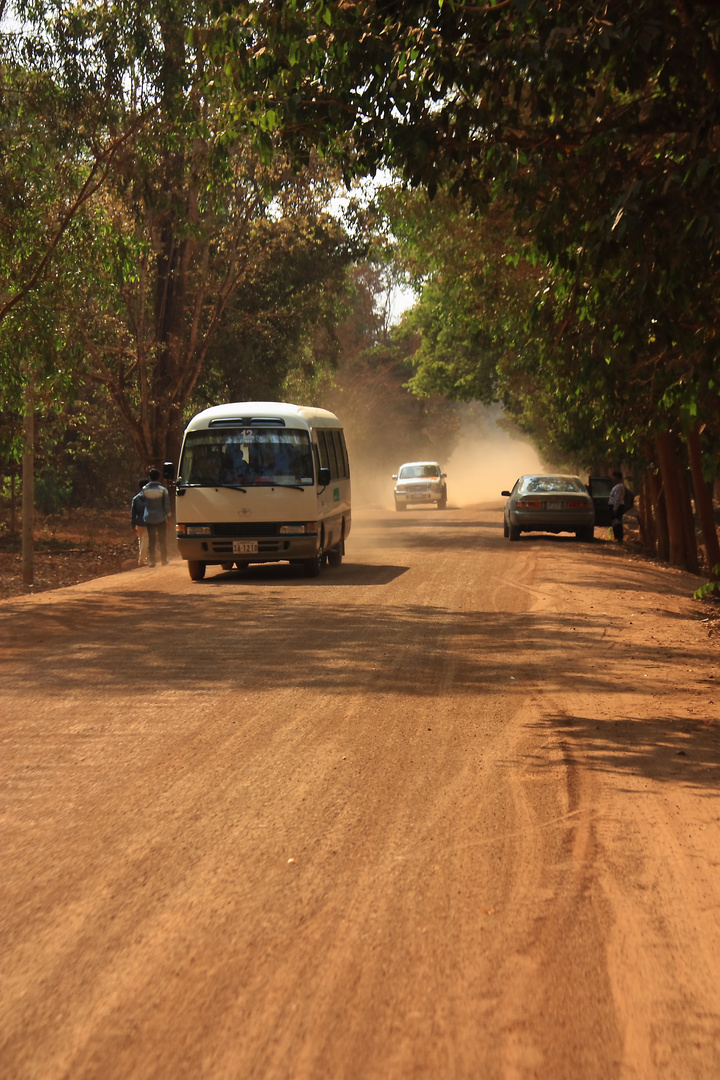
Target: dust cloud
{"type": "Point", "coordinates": [483, 465]}
{"type": "Point", "coordinates": [484, 460]}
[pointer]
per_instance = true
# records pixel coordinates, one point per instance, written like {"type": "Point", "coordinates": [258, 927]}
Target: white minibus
{"type": "Point", "coordinates": [262, 481]}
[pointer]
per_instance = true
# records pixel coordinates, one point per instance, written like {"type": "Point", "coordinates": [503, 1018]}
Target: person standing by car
{"type": "Point", "coordinates": [137, 510]}
{"type": "Point", "coordinates": [157, 511]}
{"type": "Point", "coordinates": [617, 505]}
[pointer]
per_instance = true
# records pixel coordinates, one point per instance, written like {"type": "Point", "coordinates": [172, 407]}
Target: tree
{"type": "Point", "coordinates": [280, 324]}
{"type": "Point", "coordinates": [595, 122]}
{"type": "Point", "coordinates": [183, 214]}
{"type": "Point", "coordinates": [59, 141]}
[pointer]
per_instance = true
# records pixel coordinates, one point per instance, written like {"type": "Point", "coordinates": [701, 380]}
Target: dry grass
{"type": "Point", "coordinates": [71, 547]}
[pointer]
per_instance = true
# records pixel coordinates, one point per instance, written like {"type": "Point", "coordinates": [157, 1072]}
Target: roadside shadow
{"type": "Point", "coordinates": [666, 748]}
{"type": "Point", "coordinates": [637, 576]}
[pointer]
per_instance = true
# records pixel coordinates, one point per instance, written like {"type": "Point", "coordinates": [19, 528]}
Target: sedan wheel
{"type": "Point", "coordinates": [513, 532]}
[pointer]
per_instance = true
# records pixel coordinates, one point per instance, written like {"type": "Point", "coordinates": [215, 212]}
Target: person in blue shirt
{"type": "Point", "coordinates": [157, 511]}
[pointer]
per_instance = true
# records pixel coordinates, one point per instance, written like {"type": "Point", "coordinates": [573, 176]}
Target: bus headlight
{"type": "Point", "coordinates": [193, 530]}
{"type": "Point", "coordinates": [298, 528]}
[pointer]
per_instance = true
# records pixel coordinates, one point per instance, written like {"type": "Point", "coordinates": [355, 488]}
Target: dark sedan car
{"type": "Point", "coordinates": [549, 503]}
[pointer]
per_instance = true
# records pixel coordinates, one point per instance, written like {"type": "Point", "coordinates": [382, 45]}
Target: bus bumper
{"type": "Point", "coordinates": [260, 549]}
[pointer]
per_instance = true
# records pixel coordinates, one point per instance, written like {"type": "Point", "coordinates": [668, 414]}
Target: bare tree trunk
{"type": "Point", "coordinates": [660, 515]}
{"type": "Point", "coordinates": [703, 503]}
{"type": "Point", "coordinates": [692, 559]}
{"type": "Point", "coordinates": [13, 493]}
{"type": "Point", "coordinates": [648, 533]}
{"type": "Point", "coordinates": [657, 497]}
{"type": "Point", "coordinates": [28, 487]}
{"type": "Point", "coordinates": [675, 507]}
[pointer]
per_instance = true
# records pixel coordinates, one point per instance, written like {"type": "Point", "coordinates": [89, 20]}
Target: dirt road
{"type": "Point", "coordinates": [449, 812]}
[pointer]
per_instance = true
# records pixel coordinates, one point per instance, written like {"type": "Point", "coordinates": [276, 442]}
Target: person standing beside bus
{"type": "Point", "coordinates": [137, 510]}
{"type": "Point", "coordinates": [157, 511]}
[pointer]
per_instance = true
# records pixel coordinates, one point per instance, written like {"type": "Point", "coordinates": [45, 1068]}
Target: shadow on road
{"type": "Point", "coordinates": [253, 639]}
{"type": "Point", "coordinates": [351, 574]}
{"type": "Point", "coordinates": [665, 748]}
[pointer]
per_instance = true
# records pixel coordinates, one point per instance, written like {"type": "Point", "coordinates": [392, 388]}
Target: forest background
{"type": "Point", "coordinates": [171, 235]}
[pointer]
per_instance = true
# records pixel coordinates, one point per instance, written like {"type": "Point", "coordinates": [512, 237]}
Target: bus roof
{"type": "Point", "coordinates": [247, 411]}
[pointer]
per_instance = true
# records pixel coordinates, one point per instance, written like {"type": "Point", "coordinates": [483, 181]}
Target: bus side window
{"type": "Point", "coordinates": [332, 454]}
{"type": "Point", "coordinates": [340, 453]}
{"type": "Point", "coordinates": [322, 447]}
{"type": "Point", "coordinates": [317, 456]}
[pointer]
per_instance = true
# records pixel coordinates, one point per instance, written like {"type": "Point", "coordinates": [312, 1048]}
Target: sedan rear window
{"type": "Point", "coordinates": [552, 484]}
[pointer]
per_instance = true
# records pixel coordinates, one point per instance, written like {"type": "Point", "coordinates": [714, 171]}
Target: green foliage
{"type": "Point", "coordinates": [280, 322]}
{"type": "Point", "coordinates": [53, 490]}
{"type": "Point", "coordinates": [568, 248]}
{"type": "Point", "coordinates": [195, 270]}
{"type": "Point", "coordinates": [711, 590]}
{"type": "Point", "coordinates": [592, 123]}
{"type": "Point", "coordinates": [472, 292]}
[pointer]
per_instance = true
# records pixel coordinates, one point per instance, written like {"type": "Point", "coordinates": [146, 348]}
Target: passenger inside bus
{"type": "Point", "coordinates": [205, 468]}
{"type": "Point", "coordinates": [236, 469]}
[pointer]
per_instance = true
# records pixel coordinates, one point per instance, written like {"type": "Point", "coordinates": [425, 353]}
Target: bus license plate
{"type": "Point", "coordinates": [245, 547]}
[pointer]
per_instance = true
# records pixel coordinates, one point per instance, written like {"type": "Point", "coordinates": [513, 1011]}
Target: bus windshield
{"type": "Point", "coordinates": [246, 457]}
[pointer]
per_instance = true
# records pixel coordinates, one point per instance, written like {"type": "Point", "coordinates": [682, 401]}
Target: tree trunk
{"type": "Point", "coordinates": [657, 497]}
{"type": "Point", "coordinates": [648, 533]}
{"type": "Point", "coordinates": [661, 525]}
{"type": "Point", "coordinates": [665, 445]}
{"type": "Point", "coordinates": [13, 493]}
{"type": "Point", "coordinates": [692, 560]}
{"type": "Point", "coordinates": [703, 504]}
{"type": "Point", "coordinates": [28, 487]}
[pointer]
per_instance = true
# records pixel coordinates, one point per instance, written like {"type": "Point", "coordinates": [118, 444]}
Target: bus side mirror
{"type": "Point", "coordinates": [323, 477]}
{"type": "Point", "coordinates": [168, 470]}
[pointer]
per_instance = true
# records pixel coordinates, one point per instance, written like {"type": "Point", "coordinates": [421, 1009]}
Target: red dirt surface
{"type": "Point", "coordinates": [447, 812]}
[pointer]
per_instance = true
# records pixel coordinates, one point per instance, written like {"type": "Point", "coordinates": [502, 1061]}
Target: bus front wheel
{"type": "Point", "coordinates": [314, 566]}
{"type": "Point", "coordinates": [196, 570]}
